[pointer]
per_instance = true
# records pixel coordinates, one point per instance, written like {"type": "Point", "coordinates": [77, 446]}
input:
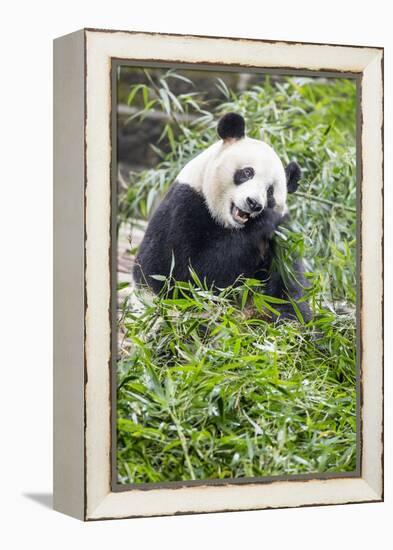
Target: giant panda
{"type": "Point", "coordinates": [220, 217]}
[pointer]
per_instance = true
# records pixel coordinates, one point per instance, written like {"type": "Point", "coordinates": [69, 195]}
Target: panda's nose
{"type": "Point", "coordinates": [254, 205]}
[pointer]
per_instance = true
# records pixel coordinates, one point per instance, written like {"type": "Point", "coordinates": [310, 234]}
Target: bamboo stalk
{"type": "Point", "coordinates": [325, 201]}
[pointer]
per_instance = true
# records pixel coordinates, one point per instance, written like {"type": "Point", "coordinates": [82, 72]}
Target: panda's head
{"type": "Point", "coordinates": [243, 176]}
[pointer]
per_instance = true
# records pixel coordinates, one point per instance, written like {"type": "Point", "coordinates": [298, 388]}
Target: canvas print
{"type": "Point", "coordinates": [235, 328]}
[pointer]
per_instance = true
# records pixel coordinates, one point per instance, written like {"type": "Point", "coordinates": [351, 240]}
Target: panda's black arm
{"type": "Point", "coordinates": [292, 289]}
{"type": "Point", "coordinates": [183, 226]}
{"type": "Point", "coordinates": [288, 282]}
{"type": "Point", "coordinates": [218, 257]}
{"type": "Point", "coordinates": [221, 255]}
{"type": "Point", "coordinates": [221, 262]}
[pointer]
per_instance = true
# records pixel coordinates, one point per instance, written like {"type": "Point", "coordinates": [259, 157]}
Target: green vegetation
{"type": "Point", "coordinates": [206, 387]}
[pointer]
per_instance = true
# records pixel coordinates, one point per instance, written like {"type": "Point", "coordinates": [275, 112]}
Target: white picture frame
{"type": "Point", "coordinates": [83, 417]}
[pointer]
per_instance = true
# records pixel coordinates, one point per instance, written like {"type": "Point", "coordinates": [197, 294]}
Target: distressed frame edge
{"type": "Point", "coordinates": [235, 38]}
{"type": "Point", "coordinates": [375, 495]}
{"type": "Point", "coordinates": [372, 131]}
{"type": "Point", "coordinates": [369, 495]}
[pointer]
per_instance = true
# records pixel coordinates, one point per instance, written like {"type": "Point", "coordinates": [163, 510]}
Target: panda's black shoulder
{"type": "Point", "coordinates": [185, 196]}
{"type": "Point", "coordinates": [185, 210]}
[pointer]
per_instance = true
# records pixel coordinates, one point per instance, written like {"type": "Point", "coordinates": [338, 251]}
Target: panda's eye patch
{"type": "Point", "coordinates": [243, 174]}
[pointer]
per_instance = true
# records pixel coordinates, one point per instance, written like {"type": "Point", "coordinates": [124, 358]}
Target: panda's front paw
{"type": "Point", "coordinates": [265, 225]}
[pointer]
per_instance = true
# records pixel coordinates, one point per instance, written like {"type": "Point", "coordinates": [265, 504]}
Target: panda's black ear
{"type": "Point", "coordinates": [293, 174]}
{"type": "Point", "coordinates": [231, 125]}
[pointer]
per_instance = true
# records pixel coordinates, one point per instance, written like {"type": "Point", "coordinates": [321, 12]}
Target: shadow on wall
{"type": "Point", "coordinates": [45, 499]}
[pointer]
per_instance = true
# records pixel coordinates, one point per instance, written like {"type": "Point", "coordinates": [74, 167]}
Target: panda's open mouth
{"type": "Point", "coordinates": [240, 216]}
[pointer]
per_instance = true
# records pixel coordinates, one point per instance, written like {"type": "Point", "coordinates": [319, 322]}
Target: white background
{"type": "Point", "coordinates": [27, 29]}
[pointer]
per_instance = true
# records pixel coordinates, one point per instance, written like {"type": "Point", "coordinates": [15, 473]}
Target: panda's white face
{"type": "Point", "coordinates": [244, 178]}
{"type": "Point", "coordinates": [238, 178]}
